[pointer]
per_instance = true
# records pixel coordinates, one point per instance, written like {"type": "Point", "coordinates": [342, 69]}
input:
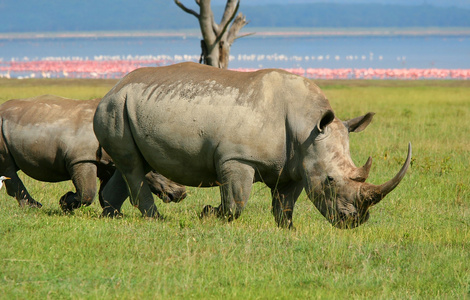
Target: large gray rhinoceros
{"type": "Point", "coordinates": [51, 139]}
{"type": "Point", "coordinates": [202, 126]}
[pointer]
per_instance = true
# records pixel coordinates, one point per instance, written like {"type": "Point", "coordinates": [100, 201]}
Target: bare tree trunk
{"type": "Point", "coordinates": [217, 38]}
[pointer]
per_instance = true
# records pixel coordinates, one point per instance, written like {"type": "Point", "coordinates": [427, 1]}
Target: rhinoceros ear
{"type": "Point", "coordinates": [325, 120]}
{"type": "Point", "coordinates": [360, 123]}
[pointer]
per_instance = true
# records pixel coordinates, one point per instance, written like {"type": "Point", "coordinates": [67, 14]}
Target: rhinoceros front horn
{"type": "Point", "coordinates": [372, 194]}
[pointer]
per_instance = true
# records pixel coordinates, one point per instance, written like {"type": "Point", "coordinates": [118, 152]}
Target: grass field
{"type": "Point", "coordinates": [416, 244]}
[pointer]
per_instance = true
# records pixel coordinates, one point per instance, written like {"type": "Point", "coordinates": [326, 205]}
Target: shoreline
{"type": "Point", "coordinates": [116, 69]}
{"type": "Point", "coordinates": [252, 32]}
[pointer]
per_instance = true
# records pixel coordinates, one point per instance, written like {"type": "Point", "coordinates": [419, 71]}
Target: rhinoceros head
{"type": "Point", "coordinates": [333, 183]}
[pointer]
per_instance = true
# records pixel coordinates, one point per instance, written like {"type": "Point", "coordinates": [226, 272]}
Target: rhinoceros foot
{"type": "Point", "coordinates": [111, 212]}
{"type": "Point", "coordinates": [284, 222]}
{"type": "Point", "coordinates": [31, 203]}
{"type": "Point", "coordinates": [209, 211]}
{"type": "Point", "coordinates": [69, 202]}
{"type": "Point", "coordinates": [164, 188]}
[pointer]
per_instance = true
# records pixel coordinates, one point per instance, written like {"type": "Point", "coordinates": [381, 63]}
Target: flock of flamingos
{"type": "Point", "coordinates": [117, 67]}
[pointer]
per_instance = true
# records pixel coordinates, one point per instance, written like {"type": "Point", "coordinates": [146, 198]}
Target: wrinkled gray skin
{"type": "Point", "coordinates": [202, 126]}
{"type": "Point", "coordinates": [51, 139]}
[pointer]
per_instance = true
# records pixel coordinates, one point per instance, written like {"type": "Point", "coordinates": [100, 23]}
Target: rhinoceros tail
{"type": "Point", "coordinates": [99, 153]}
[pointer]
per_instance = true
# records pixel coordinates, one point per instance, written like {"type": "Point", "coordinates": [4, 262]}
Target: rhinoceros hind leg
{"type": "Point", "coordinates": [15, 188]}
{"type": "Point", "coordinates": [140, 193]}
{"type": "Point", "coordinates": [104, 174]}
{"type": "Point", "coordinates": [29, 202]}
{"type": "Point", "coordinates": [116, 191]}
{"type": "Point", "coordinates": [112, 195]}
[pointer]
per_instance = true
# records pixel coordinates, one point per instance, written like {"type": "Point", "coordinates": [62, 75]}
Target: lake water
{"type": "Point", "coordinates": [306, 52]}
{"type": "Point", "coordinates": [430, 52]}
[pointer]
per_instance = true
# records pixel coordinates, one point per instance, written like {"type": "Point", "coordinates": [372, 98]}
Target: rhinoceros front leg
{"type": "Point", "coordinates": [84, 179]}
{"type": "Point", "coordinates": [15, 188]}
{"type": "Point", "coordinates": [236, 180]}
{"type": "Point", "coordinates": [283, 201]}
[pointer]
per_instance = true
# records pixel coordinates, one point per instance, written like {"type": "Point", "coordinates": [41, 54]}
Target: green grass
{"type": "Point", "coordinates": [416, 244]}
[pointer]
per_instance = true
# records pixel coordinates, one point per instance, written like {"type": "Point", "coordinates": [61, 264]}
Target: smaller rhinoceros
{"type": "Point", "coordinates": [51, 139]}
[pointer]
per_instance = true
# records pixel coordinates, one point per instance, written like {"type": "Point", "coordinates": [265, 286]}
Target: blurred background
{"type": "Point", "coordinates": [339, 39]}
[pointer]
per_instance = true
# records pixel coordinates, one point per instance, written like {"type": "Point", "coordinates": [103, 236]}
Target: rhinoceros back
{"type": "Point", "coordinates": [45, 136]}
{"type": "Point", "coordinates": [188, 119]}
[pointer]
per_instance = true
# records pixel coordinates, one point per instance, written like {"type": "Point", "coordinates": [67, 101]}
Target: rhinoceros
{"type": "Point", "coordinates": [202, 126]}
{"type": "Point", "coordinates": [51, 139]}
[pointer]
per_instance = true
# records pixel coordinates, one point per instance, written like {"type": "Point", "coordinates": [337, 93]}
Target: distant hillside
{"type": "Point", "coordinates": [119, 15]}
{"type": "Point", "coordinates": [357, 15]}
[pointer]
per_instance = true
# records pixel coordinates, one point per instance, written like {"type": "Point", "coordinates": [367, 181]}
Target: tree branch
{"type": "Point", "coordinates": [189, 11]}
{"type": "Point", "coordinates": [244, 35]}
{"type": "Point", "coordinates": [237, 25]}
{"type": "Point", "coordinates": [227, 17]}
{"type": "Point", "coordinates": [225, 26]}
{"type": "Point", "coordinates": [231, 9]}
{"type": "Point", "coordinates": [206, 22]}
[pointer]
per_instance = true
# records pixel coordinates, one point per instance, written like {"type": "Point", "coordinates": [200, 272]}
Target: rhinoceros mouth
{"type": "Point", "coordinates": [344, 221]}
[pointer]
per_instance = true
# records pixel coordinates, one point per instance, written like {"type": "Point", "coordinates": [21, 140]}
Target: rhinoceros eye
{"type": "Point", "coordinates": [323, 134]}
{"type": "Point", "coordinates": [358, 179]}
